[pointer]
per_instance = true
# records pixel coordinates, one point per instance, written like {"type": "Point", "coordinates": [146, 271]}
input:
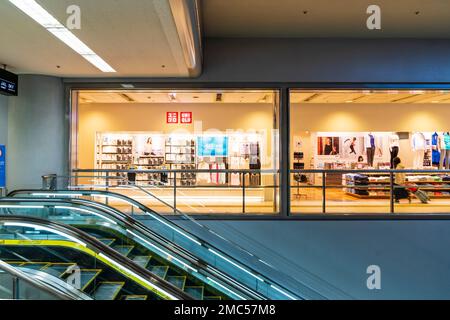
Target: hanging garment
{"type": "Point", "coordinates": [370, 156]}
{"type": "Point", "coordinates": [214, 175]}
{"type": "Point", "coordinates": [203, 177]}
{"type": "Point", "coordinates": [418, 159]}
{"type": "Point", "coordinates": [222, 175]}
{"type": "Point", "coordinates": [235, 178]}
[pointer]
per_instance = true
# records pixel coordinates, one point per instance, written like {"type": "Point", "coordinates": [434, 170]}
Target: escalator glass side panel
{"type": "Point", "coordinates": [124, 239]}
{"type": "Point", "coordinates": [31, 247]}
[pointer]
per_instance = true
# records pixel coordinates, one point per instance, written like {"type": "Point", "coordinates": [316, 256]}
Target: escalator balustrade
{"type": "Point", "coordinates": [27, 247]}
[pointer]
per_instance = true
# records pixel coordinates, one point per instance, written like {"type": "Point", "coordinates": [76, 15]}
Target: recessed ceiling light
{"type": "Point", "coordinates": [45, 19]}
{"type": "Point", "coordinates": [127, 85]}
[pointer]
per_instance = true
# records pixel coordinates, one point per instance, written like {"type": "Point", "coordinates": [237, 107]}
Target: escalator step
{"type": "Point", "coordinates": [160, 271]}
{"type": "Point", "coordinates": [212, 298]}
{"type": "Point", "coordinates": [87, 276]}
{"type": "Point", "coordinates": [57, 269]}
{"type": "Point", "coordinates": [195, 292]}
{"type": "Point", "coordinates": [142, 261]}
{"type": "Point", "coordinates": [108, 241]}
{"type": "Point", "coordinates": [123, 250]}
{"type": "Point", "coordinates": [178, 281]}
{"type": "Point", "coordinates": [35, 265]}
{"type": "Point", "coordinates": [134, 297]}
{"type": "Point", "coordinates": [108, 290]}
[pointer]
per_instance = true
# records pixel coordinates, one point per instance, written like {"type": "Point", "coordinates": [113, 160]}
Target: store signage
{"type": "Point", "coordinates": [179, 117]}
{"type": "Point", "coordinates": [172, 117]}
{"type": "Point", "coordinates": [8, 83]}
{"type": "Point", "coordinates": [2, 166]}
{"type": "Point", "coordinates": [186, 117]}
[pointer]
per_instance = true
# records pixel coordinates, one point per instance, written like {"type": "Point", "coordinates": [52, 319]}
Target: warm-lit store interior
{"type": "Point", "coordinates": [364, 130]}
{"type": "Point", "coordinates": [238, 130]}
{"type": "Point", "coordinates": [183, 130]}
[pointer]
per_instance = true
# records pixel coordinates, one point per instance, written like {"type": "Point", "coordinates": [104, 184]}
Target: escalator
{"type": "Point", "coordinates": [259, 278]}
{"type": "Point", "coordinates": [161, 258]}
{"type": "Point", "coordinates": [26, 284]}
{"type": "Point", "coordinates": [72, 257]}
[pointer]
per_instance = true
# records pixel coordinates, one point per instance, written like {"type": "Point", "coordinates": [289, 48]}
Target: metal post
{"type": "Point", "coordinates": [175, 193]}
{"type": "Point", "coordinates": [107, 185]}
{"type": "Point", "coordinates": [15, 288]}
{"type": "Point", "coordinates": [391, 191]}
{"type": "Point", "coordinates": [324, 193]}
{"type": "Point", "coordinates": [243, 192]}
{"type": "Point", "coordinates": [285, 179]}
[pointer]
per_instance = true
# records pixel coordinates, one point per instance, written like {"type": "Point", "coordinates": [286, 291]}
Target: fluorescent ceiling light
{"type": "Point", "coordinates": [45, 19]}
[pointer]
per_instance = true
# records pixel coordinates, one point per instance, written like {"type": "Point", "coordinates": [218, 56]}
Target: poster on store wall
{"type": "Point", "coordinates": [2, 166]}
{"type": "Point", "coordinates": [352, 147]}
{"type": "Point", "coordinates": [328, 146]}
{"type": "Point", "coordinates": [212, 146]}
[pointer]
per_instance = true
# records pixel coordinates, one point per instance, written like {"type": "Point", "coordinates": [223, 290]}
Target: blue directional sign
{"type": "Point", "coordinates": [2, 166]}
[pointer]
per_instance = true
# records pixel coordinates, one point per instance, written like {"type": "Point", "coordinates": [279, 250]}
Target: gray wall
{"type": "Point", "coordinates": [36, 132]}
{"type": "Point", "coordinates": [318, 60]}
{"type": "Point", "coordinates": [326, 60]}
{"type": "Point", "coordinates": [332, 256]}
{"type": "Point", "coordinates": [3, 119]}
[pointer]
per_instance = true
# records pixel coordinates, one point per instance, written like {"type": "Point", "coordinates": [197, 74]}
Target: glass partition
{"type": "Point", "coordinates": [204, 152]}
{"type": "Point", "coordinates": [369, 152]}
{"type": "Point", "coordinates": [183, 251]}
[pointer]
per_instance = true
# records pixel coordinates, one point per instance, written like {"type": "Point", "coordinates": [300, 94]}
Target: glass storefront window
{"type": "Point", "coordinates": [343, 144]}
{"type": "Point", "coordinates": [205, 152]}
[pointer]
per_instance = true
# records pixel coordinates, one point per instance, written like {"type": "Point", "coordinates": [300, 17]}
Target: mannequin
{"type": "Point", "coordinates": [444, 150]}
{"type": "Point", "coordinates": [369, 145]}
{"type": "Point", "coordinates": [418, 148]}
{"type": "Point", "coordinates": [435, 153]}
{"type": "Point", "coordinates": [394, 147]}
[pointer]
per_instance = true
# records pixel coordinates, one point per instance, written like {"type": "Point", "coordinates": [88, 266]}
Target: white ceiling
{"type": "Point", "coordinates": [136, 37]}
{"type": "Point", "coordinates": [325, 18]}
{"type": "Point", "coordinates": [175, 97]}
{"type": "Point", "coordinates": [398, 97]}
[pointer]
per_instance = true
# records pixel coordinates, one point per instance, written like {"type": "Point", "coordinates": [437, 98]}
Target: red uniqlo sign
{"type": "Point", "coordinates": [186, 117]}
{"type": "Point", "coordinates": [172, 117]}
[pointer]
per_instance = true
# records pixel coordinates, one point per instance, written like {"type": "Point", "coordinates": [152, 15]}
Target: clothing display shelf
{"type": "Point", "coordinates": [180, 155]}
{"type": "Point", "coordinates": [377, 185]}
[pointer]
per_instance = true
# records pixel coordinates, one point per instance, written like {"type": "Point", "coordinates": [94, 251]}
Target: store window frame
{"type": "Point", "coordinates": [71, 98]}
{"type": "Point", "coordinates": [284, 90]}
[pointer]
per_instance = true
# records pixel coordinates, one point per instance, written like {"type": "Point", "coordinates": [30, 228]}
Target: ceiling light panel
{"type": "Point", "coordinates": [45, 19]}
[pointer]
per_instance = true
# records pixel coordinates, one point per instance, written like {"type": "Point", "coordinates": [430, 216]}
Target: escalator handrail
{"type": "Point", "coordinates": [131, 223]}
{"type": "Point", "coordinates": [100, 247]}
{"type": "Point", "coordinates": [147, 210]}
{"type": "Point", "coordinates": [37, 283]}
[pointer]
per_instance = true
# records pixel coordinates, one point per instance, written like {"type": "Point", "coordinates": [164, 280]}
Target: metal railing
{"type": "Point", "coordinates": [390, 186]}
{"type": "Point", "coordinates": [110, 176]}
